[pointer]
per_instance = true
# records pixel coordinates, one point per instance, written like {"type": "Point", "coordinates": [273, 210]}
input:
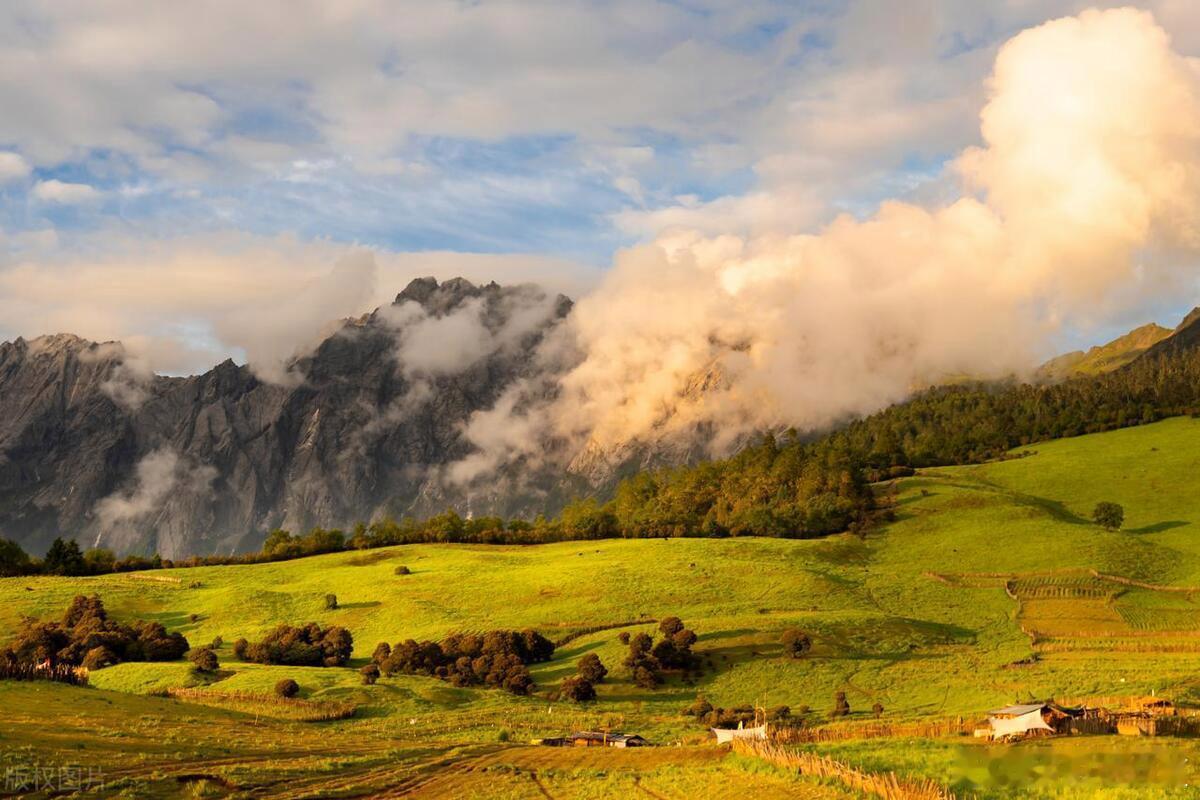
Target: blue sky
{"type": "Point", "coordinates": [212, 133]}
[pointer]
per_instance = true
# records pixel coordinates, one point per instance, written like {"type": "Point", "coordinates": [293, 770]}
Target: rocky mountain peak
{"type": "Point", "coordinates": [439, 299]}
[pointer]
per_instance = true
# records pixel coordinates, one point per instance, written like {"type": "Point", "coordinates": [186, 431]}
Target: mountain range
{"type": "Point", "coordinates": [94, 448]}
{"type": "Point", "coordinates": [91, 448]}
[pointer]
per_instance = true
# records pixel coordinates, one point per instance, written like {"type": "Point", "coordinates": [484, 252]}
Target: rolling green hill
{"type": "Point", "coordinates": [918, 615]}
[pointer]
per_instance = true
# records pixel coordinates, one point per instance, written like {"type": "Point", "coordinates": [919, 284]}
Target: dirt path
{"type": "Point", "coordinates": [637, 784]}
{"type": "Point", "coordinates": [541, 786]}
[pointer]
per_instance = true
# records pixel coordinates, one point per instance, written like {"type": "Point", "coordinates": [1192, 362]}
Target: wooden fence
{"type": "Point", "coordinates": [76, 676]}
{"type": "Point", "coordinates": [875, 730]}
{"type": "Point", "coordinates": [887, 785]}
{"type": "Point", "coordinates": [139, 576]}
{"type": "Point", "coordinates": [1158, 587]}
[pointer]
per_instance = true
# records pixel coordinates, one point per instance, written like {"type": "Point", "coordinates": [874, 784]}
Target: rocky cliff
{"type": "Point", "coordinates": [91, 448]}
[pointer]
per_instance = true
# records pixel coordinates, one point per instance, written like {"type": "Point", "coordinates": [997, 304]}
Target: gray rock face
{"type": "Point", "coordinates": [211, 462]}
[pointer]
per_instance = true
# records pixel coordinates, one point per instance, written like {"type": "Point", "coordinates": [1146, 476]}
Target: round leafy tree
{"type": "Point", "coordinates": [1109, 516]}
{"type": "Point", "coordinates": [796, 643]}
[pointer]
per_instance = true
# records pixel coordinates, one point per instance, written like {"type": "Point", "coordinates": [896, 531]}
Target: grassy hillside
{"type": "Point", "coordinates": [903, 617]}
{"type": "Point", "coordinates": [1106, 357]}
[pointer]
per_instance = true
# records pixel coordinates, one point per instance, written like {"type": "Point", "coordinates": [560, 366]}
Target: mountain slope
{"type": "Point", "coordinates": [1103, 358]}
{"type": "Point", "coordinates": [90, 448]}
{"type": "Point", "coordinates": [1186, 336]}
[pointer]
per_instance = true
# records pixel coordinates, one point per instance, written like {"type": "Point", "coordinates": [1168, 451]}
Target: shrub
{"type": "Point", "coordinates": [1109, 516]}
{"type": "Point", "coordinates": [670, 626]}
{"type": "Point", "coordinates": [699, 707]}
{"type": "Point", "coordinates": [591, 668]}
{"type": "Point", "coordinates": [577, 689]}
{"type": "Point", "coordinates": [383, 651]}
{"type": "Point", "coordinates": [645, 677]}
{"type": "Point", "coordinates": [331, 602]}
{"type": "Point", "coordinates": [841, 706]}
{"type": "Point", "coordinates": [239, 648]}
{"type": "Point", "coordinates": [216, 643]}
{"type": "Point", "coordinates": [203, 660]}
{"type": "Point", "coordinates": [623, 637]}
{"type": "Point", "coordinates": [287, 688]}
{"type": "Point", "coordinates": [503, 736]}
{"type": "Point", "coordinates": [403, 570]}
{"type": "Point", "coordinates": [877, 710]}
{"type": "Point", "coordinates": [728, 717]}
{"type": "Point", "coordinates": [796, 643]}
{"type": "Point", "coordinates": [98, 657]}
{"type": "Point", "coordinates": [370, 674]}
{"type": "Point", "coordinates": [307, 646]}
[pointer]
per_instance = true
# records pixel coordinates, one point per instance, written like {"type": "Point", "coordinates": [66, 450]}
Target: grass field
{"type": "Point", "coordinates": [935, 615]}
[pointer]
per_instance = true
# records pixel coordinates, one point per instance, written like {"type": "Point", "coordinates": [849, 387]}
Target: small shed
{"type": "Point", "coordinates": [604, 739]}
{"type": "Point", "coordinates": [1030, 719]}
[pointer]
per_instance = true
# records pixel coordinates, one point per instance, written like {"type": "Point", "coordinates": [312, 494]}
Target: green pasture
{"type": "Point", "coordinates": [903, 617]}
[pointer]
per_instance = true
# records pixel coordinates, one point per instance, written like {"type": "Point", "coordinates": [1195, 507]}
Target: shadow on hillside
{"type": "Point", "coordinates": [575, 650]}
{"type": "Point", "coordinates": [172, 620]}
{"type": "Point", "coordinates": [1159, 527]}
{"type": "Point", "coordinates": [915, 498]}
{"type": "Point", "coordinates": [1054, 508]}
{"type": "Point", "coordinates": [364, 604]}
{"type": "Point", "coordinates": [727, 634]}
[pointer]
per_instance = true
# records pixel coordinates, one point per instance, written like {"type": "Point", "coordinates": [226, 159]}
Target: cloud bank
{"type": "Point", "coordinates": [1082, 200]}
{"type": "Point", "coordinates": [183, 304]}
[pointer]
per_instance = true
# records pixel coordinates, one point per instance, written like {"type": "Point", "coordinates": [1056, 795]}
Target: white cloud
{"type": "Point", "coordinates": [56, 191]}
{"type": "Point", "coordinates": [13, 167]}
{"type": "Point", "coordinates": [1088, 196]}
{"type": "Point", "coordinates": [183, 304]}
{"type": "Point", "coordinates": [159, 475]}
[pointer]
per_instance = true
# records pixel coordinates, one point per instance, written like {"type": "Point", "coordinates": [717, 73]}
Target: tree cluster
{"type": "Point", "coordinates": [66, 558]}
{"type": "Point", "coordinates": [86, 636]}
{"type": "Point", "coordinates": [673, 651]}
{"type": "Point", "coordinates": [498, 659]}
{"type": "Point", "coordinates": [303, 646]}
{"type": "Point", "coordinates": [730, 718]}
{"type": "Point", "coordinates": [581, 686]}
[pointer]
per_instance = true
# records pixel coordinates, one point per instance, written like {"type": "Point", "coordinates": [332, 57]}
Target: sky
{"type": "Point", "coordinates": [197, 179]}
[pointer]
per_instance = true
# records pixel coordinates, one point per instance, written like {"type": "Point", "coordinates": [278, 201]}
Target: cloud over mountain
{"type": "Point", "coordinates": [1082, 200]}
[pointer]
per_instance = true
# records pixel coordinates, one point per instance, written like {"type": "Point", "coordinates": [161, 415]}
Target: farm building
{"type": "Point", "coordinates": [1031, 719]}
{"type": "Point", "coordinates": [595, 739]}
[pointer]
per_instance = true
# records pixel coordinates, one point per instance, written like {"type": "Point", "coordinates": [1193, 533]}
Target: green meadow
{"type": "Point", "coordinates": [914, 616]}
